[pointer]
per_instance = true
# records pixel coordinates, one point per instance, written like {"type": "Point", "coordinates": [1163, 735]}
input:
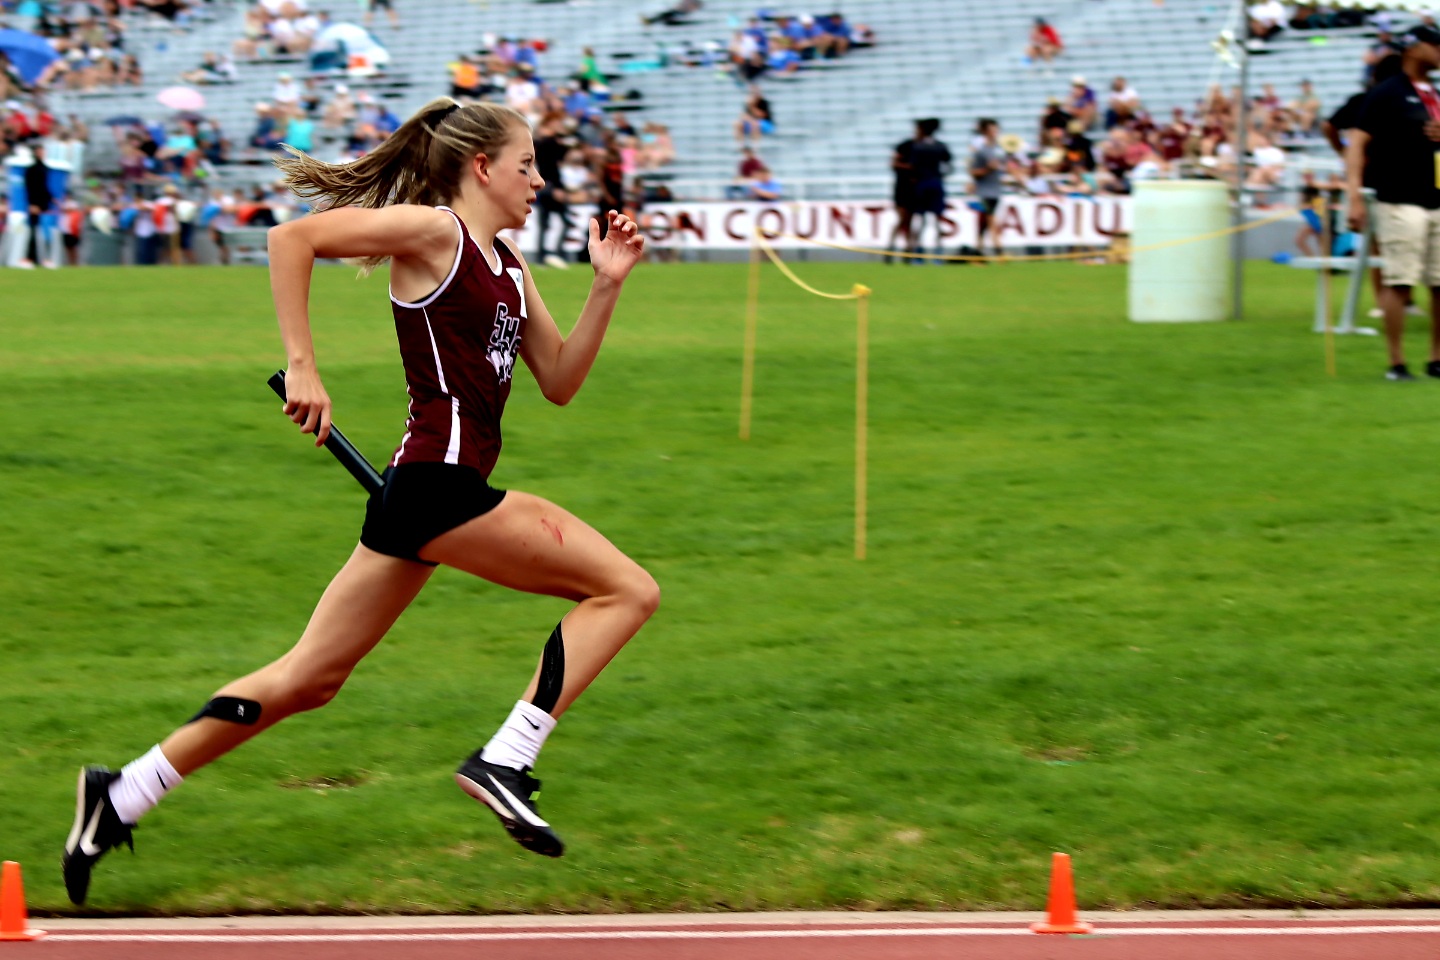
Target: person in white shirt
{"type": "Point", "coordinates": [222, 223]}
{"type": "Point", "coordinates": [521, 91]}
{"type": "Point", "coordinates": [283, 8]}
{"type": "Point", "coordinates": [1267, 19]}
{"type": "Point", "coordinates": [281, 32]}
{"type": "Point", "coordinates": [286, 91]}
{"type": "Point", "coordinates": [1124, 103]}
{"type": "Point", "coordinates": [167, 227]}
{"type": "Point", "coordinates": [576, 178]}
{"type": "Point", "coordinates": [305, 27]}
{"type": "Point", "coordinates": [186, 213]}
{"type": "Point", "coordinates": [1269, 161]}
{"type": "Point", "coordinates": [146, 248]}
{"type": "Point", "coordinates": [340, 110]}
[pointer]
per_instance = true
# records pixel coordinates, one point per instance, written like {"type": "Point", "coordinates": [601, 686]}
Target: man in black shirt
{"type": "Point", "coordinates": [1337, 131]}
{"type": "Point", "coordinates": [39, 198]}
{"type": "Point", "coordinates": [551, 201]}
{"type": "Point", "coordinates": [1395, 148]}
{"type": "Point", "coordinates": [929, 165]}
{"type": "Point", "coordinates": [904, 196]}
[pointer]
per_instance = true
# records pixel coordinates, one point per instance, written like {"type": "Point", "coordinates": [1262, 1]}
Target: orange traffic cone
{"type": "Point", "coordinates": [13, 923]}
{"type": "Point", "coordinates": [1060, 912]}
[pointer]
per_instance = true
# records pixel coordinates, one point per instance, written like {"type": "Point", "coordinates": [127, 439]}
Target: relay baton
{"type": "Point", "coordinates": [344, 451]}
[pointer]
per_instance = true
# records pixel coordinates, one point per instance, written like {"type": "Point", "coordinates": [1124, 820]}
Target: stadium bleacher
{"type": "Point", "coordinates": [837, 120]}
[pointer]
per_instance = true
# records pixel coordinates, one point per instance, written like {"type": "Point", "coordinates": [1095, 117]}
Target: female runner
{"type": "Point", "coordinates": [465, 306]}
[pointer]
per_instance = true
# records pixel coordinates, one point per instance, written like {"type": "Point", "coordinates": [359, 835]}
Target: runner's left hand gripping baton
{"type": "Point", "coordinates": [343, 449]}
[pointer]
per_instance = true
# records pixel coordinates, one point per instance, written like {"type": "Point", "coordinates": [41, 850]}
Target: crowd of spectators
{"type": "Point", "coordinates": [161, 229]}
{"type": "Point", "coordinates": [1093, 139]}
{"type": "Point", "coordinates": [779, 45]}
{"type": "Point", "coordinates": [776, 46]}
{"type": "Point", "coordinates": [90, 40]}
{"type": "Point", "coordinates": [1088, 145]}
{"type": "Point", "coordinates": [276, 29]}
{"type": "Point", "coordinates": [1269, 19]}
{"type": "Point", "coordinates": [588, 149]}
{"type": "Point", "coordinates": [1090, 142]}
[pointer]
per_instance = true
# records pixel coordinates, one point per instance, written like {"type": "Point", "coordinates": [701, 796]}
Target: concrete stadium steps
{"type": "Point", "coordinates": [955, 59]}
{"type": "Point", "coordinates": [1165, 50]}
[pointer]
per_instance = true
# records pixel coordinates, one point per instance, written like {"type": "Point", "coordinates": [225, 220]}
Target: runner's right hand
{"type": "Point", "coordinates": [307, 403]}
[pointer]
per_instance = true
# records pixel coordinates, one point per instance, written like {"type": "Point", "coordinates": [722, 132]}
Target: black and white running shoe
{"type": "Point", "coordinates": [97, 829]}
{"type": "Point", "coordinates": [510, 793]}
{"type": "Point", "coordinates": [1399, 372]}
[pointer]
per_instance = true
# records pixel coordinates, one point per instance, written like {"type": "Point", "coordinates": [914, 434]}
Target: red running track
{"type": "Point", "coordinates": [775, 937]}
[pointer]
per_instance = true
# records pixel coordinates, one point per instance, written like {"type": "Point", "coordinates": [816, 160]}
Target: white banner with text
{"type": "Point", "coordinates": [1021, 221]}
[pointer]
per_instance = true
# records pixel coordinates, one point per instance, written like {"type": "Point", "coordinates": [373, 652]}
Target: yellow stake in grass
{"type": "Point", "coordinates": [859, 293]}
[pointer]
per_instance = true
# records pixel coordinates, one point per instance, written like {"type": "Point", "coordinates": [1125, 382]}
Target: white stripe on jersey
{"type": "Point", "coordinates": [439, 370]}
{"type": "Point", "coordinates": [452, 453]}
{"type": "Point", "coordinates": [409, 419]}
{"type": "Point", "coordinates": [518, 276]}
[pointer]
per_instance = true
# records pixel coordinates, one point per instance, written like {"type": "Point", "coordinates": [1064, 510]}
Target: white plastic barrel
{"type": "Point", "coordinates": [1179, 282]}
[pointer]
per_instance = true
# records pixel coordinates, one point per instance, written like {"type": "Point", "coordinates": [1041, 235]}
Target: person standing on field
{"type": "Point", "coordinates": [987, 172]}
{"type": "Point", "coordinates": [929, 166]}
{"type": "Point", "coordinates": [1337, 130]}
{"type": "Point", "coordinates": [1395, 147]}
{"type": "Point", "coordinates": [904, 195]}
{"type": "Point", "coordinates": [40, 200]}
{"type": "Point", "coordinates": [432, 199]}
{"type": "Point", "coordinates": [552, 199]}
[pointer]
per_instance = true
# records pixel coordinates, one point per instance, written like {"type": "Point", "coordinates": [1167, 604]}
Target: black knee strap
{"type": "Point", "coordinates": [244, 712]}
{"type": "Point", "coordinates": [552, 672]}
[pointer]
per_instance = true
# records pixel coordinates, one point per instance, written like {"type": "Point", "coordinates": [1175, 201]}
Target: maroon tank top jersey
{"type": "Point", "coordinates": [459, 347]}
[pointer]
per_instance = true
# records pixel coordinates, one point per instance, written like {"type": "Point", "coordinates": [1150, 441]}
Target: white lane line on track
{"type": "Point", "coordinates": [485, 937]}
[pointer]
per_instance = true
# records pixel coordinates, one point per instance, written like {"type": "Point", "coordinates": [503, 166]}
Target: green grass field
{"type": "Point", "coordinates": [1158, 596]}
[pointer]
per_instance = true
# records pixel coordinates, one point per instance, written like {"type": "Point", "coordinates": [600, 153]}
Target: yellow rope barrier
{"type": "Point", "coordinates": [785, 269]}
{"type": "Point", "coordinates": [861, 295]}
{"type": "Point", "coordinates": [1006, 258]}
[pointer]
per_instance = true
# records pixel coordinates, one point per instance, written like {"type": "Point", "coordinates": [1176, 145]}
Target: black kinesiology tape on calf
{"type": "Point", "coordinates": [552, 673]}
{"type": "Point", "coordinates": [233, 709]}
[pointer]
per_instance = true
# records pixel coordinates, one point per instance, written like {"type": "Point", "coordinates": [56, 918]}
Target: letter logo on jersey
{"type": "Point", "coordinates": [504, 339]}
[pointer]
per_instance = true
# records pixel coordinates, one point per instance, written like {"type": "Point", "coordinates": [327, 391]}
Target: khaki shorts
{"type": "Point", "coordinates": [1410, 243]}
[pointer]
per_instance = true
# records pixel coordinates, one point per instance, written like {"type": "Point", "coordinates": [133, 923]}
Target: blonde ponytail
{"type": "Point", "coordinates": [422, 162]}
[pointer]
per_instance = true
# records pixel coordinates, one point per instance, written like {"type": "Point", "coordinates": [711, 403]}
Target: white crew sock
{"type": "Point", "coordinates": [141, 784]}
{"type": "Point", "coordinates": [518, 741]}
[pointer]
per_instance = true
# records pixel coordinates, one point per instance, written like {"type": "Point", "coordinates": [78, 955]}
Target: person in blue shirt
{"type": "Point", "coordinates": [834, 38]}
{"type": "Point", "coordinates": [763, 185]}
{"type": "Point", "coordinates": [578, 100]}
{"type": "Point", "coordinates": [264, 134]}
{"type": "Point", "coordinates": [387, 122]}
{"type": "Point", "coordinates": [762, 39]}
{"type": "Point", "coordinates": [300, 133]}
{"type": "Point", "coordinates": [756, 119]}
{"type": "Point", "coordinates": [178, 146]}
{"type": "Point", "coordinates": [801, 32]}
{"type": "Point", "coordinates": [1082, 104]}
{"type": "Point", "coordinates": [784, 61]}
{"type": "Point", "coordinates": [527, 54]}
